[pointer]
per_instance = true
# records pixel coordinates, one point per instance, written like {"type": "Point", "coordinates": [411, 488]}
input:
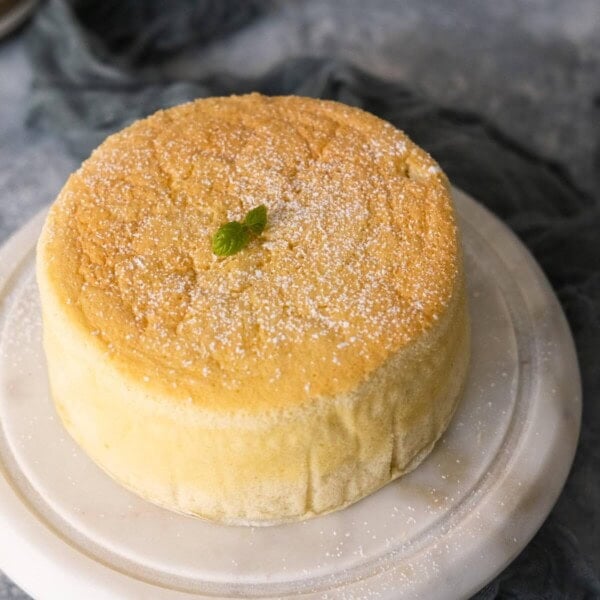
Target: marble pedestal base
{"type": "Point", "coordinates": [441, 532]}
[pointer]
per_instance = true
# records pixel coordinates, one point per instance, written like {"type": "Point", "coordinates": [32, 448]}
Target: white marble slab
{"type": "Point", "coordinates": [441, 532]}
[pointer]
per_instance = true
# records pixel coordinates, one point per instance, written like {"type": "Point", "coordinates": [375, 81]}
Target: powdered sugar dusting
{"type": "Point", "coordinates": [359, 255]}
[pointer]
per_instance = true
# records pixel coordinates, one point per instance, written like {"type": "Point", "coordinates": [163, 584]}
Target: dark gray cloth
{"type": "Point", "coordinates": [100, 65]}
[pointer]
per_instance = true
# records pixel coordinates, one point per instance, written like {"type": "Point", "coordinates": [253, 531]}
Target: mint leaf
{"type": "Point", "coordinates": [233, 236]}
{"type": "Point", "coordinates": [256, 219]}
{"type": "Point", "coordinates": [230, 238]}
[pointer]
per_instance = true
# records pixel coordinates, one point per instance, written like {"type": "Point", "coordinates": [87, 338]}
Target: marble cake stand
{"type": "Point", "coordinates": [68, 531]}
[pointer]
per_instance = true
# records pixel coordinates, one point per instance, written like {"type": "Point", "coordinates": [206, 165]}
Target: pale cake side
{"type": "Point", "coordinates": [287, 380]}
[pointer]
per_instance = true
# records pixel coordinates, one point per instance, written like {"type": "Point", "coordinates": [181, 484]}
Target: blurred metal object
{"type": "Point", "coordinates": [13, 13]}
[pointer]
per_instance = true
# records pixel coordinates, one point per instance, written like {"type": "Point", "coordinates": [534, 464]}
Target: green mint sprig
{"type": "Point", "coordinates": [233, 236]}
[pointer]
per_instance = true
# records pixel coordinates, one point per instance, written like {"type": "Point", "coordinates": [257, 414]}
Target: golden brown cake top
{"type": "Point", "coordinates": [359, 257]}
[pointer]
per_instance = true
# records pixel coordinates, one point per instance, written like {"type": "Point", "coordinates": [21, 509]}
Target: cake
{"type": "Point", "coordinates": [287, 380]}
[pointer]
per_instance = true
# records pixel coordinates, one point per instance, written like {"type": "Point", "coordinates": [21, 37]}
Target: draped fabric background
{"type": "Point", "coordinates": [98, 65]}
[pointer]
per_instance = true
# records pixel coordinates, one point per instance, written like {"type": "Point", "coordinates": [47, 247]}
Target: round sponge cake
{"type": "Point", "coordinates": [290, 379]}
